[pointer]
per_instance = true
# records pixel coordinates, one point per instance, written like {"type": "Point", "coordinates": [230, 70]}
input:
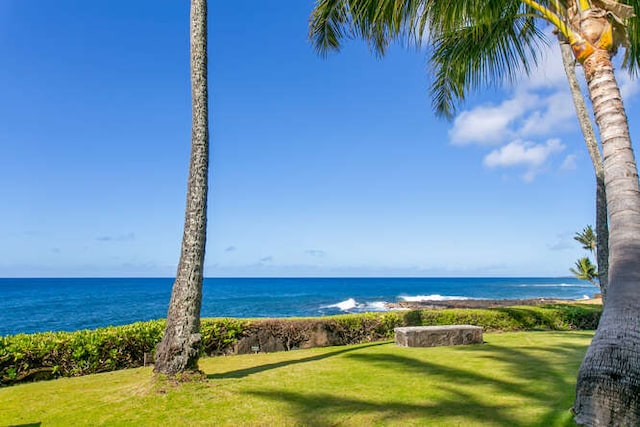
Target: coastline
{"type": "Point", "coordinates": [71, 304]}
{"type": "Point", "coordinates": [487, 303]}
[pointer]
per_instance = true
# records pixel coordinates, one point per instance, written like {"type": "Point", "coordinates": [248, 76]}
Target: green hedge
{"type": "Point", "coordinates": [551, 317]}
{"type": "Point", "coordinates": [31, 357]}
{"type": "Point", "coordinates": [45, 355]}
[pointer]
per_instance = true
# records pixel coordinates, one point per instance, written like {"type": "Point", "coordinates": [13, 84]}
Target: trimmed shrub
{"type": "Point", "coordinates": [561, 317]}
{"type": "Point", "coordinates": [220, 335]}
{"type": "Point", "coordinates": [366, 327]}
{"type": "Point", "coordinates": [26, 357]}
{"type": "Point", "coordinates": [32, 357]}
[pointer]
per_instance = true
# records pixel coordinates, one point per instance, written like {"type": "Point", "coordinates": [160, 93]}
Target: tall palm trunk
{"type": "Point", "coordinates": [180, 346]}
{"type": "Point", "coordinates": [602, 227]}
{"type": "Point", "coordinates": [608, 387]}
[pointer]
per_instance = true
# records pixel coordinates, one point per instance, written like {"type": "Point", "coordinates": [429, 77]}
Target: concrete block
{"type": "Point", "coordinates": [435, 336]}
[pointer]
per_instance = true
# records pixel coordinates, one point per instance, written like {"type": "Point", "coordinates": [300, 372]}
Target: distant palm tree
{"type": "Point", "coordinates": [480, 42]}
{"type": "Point", "coordinates": [587, 238]}
{"type": "Point", "coordinates": [179, 349]}
{"type": "Point", "coordinates": [585, 270]}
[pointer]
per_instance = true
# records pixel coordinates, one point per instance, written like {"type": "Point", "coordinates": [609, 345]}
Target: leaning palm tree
{"type": "Point", "coordinates": [479, 42]}
{"type": "Point", "coordinates": [601, 241]}
{"type": "Point", "coordinates": [180, 346]}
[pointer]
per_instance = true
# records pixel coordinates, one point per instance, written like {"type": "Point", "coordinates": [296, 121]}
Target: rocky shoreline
{"type": "Point", "coordinates": [482, 303]}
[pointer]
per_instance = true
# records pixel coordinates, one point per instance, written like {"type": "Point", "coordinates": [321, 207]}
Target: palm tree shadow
{"type": "Point", "coordinates": [321, 409]}
{"type": "Point", "coordinates": [241, 373]}
{"type": "Point", "coordinates": [526, 370]}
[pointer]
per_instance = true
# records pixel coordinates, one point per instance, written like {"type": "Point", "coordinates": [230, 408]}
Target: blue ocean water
{"type": "Point", "coordinates": [38, 305]}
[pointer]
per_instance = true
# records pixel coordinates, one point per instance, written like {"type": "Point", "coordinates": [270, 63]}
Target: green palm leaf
{"type": "Point", "coordinates": [329, 23]}
{"type": "Point", "coordinates": [485, 53]}
{"type": "Point", "coordinates": [585, 270]}
{"type": "Point", "coordinates": [378, 22]}
{"type": "Point", "coordinates": [474, 42]}
{"type": "Point", "coordinates": [632, 53]}
{"type": "Point", "coordinates": [587, 237]}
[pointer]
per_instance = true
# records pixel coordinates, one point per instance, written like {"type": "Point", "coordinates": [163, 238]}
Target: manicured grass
{"type": "Point", "coordinates": [514, 379]}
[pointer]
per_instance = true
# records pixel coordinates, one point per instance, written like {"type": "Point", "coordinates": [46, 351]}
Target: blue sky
{"type": "Point", "coordinates": [320, 167]}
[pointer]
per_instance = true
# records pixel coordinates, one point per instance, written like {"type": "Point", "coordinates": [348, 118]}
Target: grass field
{"type": "Point", "coordinates": [514, 379]}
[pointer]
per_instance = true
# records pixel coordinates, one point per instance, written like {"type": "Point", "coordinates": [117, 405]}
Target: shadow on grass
{"type": "Point", "coordinates": [543, 377]}
{"type": "Point", "coordinates": [241, 373]}
{"type": "Point", "coordinates": [320, 409]}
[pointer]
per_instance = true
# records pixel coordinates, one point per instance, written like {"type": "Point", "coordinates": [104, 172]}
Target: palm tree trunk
{"type": "Point", "coordinates": [608, 387]}
{"type": "Point", "coordinates": [180, 346]}
{"type": "Point", "coordinates": [602, 235]}
{"type": "Point", "coordinates": [602, 226]}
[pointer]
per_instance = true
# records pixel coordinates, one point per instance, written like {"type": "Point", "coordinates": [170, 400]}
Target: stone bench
{"type": "Point", "coordinates": [434, 336]}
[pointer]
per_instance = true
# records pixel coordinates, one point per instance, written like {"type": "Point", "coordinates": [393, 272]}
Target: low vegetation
{"type": "Point", "coordinates": [49, 355]}
{"type": "Point", "coordinates": [514, 379]}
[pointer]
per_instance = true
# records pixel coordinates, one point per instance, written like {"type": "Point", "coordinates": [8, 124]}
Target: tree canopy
{"type": "Point", "coordinates": [473, 43]}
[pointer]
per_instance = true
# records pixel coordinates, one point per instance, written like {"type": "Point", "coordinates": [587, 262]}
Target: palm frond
{"type": "Point", "coordinates": [378, 22]}
{"type": "Point", "coordinates": [473, 43]}
{"type": "Point", "coordinates": [585, 270]}
{"type": "Point", "coordinates": [632, 53]}
{"type": "Point", "coordinates": [329, 23]}
{"type": "Point", "coordinates": [492, 50]}
{"type": "Point", "coordinates": [587, 238]}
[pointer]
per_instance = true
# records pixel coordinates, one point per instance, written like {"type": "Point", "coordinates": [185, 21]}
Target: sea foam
{"type": "Point", "coordinates": [352, 305]}
{"type": "Point", "coordinates": [344, 305]}
{"type": "Point", "coordinates": [556, 285]}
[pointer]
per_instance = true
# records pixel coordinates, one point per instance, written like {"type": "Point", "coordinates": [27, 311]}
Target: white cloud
{"type": "Point", "coordinates": [523, 153]}
{"type": "Point", "coordinates": [549, 73]}
{"type": "Point", "coordinates": [563, 242]}
{"type": "Point", "coordinates": [540, 107]}
{"type": "Point", "coordinates": [489, 125]}
{"type": "Point", "coordinates": [628, 86]}
{"type": "Point", "coordinates": [555, 113]}
{"type": "Point", "coordinates": [569, 163]}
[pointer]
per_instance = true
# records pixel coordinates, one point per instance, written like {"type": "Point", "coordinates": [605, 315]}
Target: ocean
{"type": "Point", "coordinates": [58, 304]}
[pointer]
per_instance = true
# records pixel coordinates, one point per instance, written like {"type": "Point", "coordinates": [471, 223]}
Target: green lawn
{"type": "Point", "coordinates": [514, 379]}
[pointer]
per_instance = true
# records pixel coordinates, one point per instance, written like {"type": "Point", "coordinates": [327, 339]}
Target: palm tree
{"type": "Point", "coordinates": [180, 346]}
{"type": "Point", "coordinates": [587, 238]}
{"type": "Point", "coordinates": [601, 243]}
{"type": "Point", "coordinates": [479, 42]}
{"type": "Point", "coordinates": [585, 270]}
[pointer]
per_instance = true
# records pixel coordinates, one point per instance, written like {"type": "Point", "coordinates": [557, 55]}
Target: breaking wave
{"type": "Point", "coordinates": [556, 285]}
{"type": "Point", "coordinates": [351, 305]}
{"type": "Point", "coordinates": [434, 297]}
